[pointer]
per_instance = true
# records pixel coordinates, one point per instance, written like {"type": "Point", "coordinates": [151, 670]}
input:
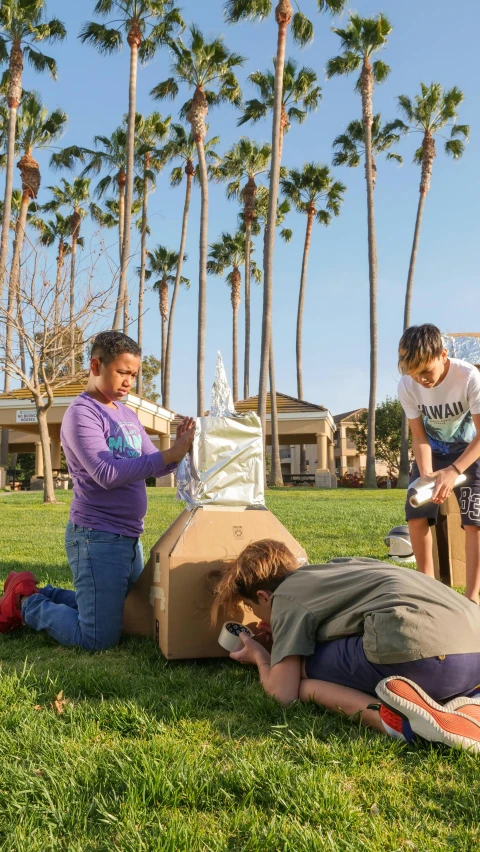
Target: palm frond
{"type": "Point", "coordinates": [106, 40]}
{"type": "Point", "coordinates": [455, 147]}
{"type": "Point", "coordinates": [302, 29]}
{"type": "Point", "coordinates": [243, 10]}
{"type": "Point", "coordinates": [40, 62]}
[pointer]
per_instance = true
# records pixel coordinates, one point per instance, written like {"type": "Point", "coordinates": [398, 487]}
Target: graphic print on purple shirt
{"type": "Point", "coordinates": [109, 456]}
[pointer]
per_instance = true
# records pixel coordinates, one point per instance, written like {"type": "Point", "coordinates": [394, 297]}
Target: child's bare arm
{"type": "Point", "coordinates": [282, 681]}
{"type": "Point", "coordinates": [421, 446]}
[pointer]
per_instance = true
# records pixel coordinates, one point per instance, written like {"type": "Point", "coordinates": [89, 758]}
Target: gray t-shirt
{"type": "Point", "coordinates": [402, 615]}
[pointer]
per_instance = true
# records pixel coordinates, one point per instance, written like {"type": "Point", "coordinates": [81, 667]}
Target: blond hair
{"type": "Point", "coordinates": [419, 345]}
{"type": "Point", "coordinates": [261, 565]}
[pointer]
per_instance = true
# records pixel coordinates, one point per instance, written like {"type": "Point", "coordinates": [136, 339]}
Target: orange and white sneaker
{"type": "Point", "coordinates": [467, 706]}
{"type": "Point", "coordinates": [427, 719]}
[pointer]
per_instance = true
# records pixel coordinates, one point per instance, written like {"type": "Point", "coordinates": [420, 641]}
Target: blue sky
{"type": "Point", "coordinates": [431, 41]}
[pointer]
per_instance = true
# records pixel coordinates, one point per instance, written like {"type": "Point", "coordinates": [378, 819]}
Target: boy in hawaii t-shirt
{"type": "Point", "coordinates": [441, 399]}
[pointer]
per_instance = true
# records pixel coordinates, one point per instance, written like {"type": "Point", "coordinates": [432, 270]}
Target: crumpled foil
{"type": "Point", "coordinates": [225, 466]}
{"type": "Point", "coordinates": [465, 347]}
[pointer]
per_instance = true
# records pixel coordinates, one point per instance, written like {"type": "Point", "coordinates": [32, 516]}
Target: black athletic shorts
{"type": "Point", "coordinates": [468, 494]}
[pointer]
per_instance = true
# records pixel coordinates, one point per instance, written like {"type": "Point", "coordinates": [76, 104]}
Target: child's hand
{"type": "Point", "coordinates": [252, 652]}
{"type": "Point", "coordinates": [185, 426]}
{"type": "Point", "coordinates": [185, 436]}
{"type": "Point", "coordinates": [444, 482]}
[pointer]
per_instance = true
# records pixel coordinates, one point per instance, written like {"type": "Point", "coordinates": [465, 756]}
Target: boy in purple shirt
{"type": "Point", "coordinates": [109, 456]}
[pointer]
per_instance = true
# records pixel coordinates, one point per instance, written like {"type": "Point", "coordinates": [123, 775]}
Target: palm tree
{"type": "Point", "coordinates": [149, 133]}
{"type": "Point", "coordinates": [300, 96]}
{"type": "Point", "coordinates": [207, 67]}
{"type": "Point", "coordinates": [163, 262]}
{"type": "Point", "coordinates": [350, 145]}
{"type": "Point", "coordinates": [22, 27]}
{"type": "Point", "coordinates": [74, 196]}
{"type": "Point", "coordinates": [182, 146]}
{"type": "Point", "coordinates": [307, 189]}
{"type": "Point", "coordinates": [147, 25]}
{"type": "Point", "coordinates": [112, 216]}
{"type": "Point", "coordinates": [246, 160]}
{"type": "Point", "coordinates": [57, 231]}
{"type": "Point", "coordinates": [228, 252]}
{"type": "Point", "coordinates": [360, 40]}
{"type": "Point", "coordinates": [302, 29]}
{"type": "Point", "coordinates": [430, 112]}
{"type": "Point", "coordinates": [108, 157]}
{"type": "Point", "coordinates": [260, 222]}
{"type": "Point", "coordinates": [36, 128]}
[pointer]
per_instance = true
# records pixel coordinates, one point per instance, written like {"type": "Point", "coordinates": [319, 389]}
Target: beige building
{"type": "Point", "coordinates": [301, 422]}
{"type": "Point", "coordinates": [18, 415]}
{"type": "Point", "coordinates": [347, 457]}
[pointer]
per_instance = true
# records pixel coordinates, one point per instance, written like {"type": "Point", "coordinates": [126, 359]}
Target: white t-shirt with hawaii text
{"type": "Point", "coordinates": [446, 408]}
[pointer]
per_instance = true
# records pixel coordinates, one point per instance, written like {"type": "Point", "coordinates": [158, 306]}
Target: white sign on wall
{"type": "Point", "coordinates": [26, 416]}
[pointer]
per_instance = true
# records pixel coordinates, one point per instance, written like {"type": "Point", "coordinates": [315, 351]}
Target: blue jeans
{"type": "Point", "coordinates": [104, 566]}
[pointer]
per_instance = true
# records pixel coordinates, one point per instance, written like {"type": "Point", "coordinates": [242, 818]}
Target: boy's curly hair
{"type": "Point", "coordinates": [261, 565]}
{"type": "Point", "coordinates": [109, 344]}
{"type": "Point", "coordinates": [419, 345]}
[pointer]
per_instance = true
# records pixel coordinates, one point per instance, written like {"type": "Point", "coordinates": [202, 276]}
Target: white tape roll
{"type": "Point", "coordinates": [229, 636]}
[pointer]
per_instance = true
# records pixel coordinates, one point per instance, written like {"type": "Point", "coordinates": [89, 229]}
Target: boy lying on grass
{"type": "Point", "coordinates": [350, 629]}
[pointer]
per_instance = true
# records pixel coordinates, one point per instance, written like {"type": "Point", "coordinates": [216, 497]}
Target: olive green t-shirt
{"type": "Point", "coordinates": [402, 615]}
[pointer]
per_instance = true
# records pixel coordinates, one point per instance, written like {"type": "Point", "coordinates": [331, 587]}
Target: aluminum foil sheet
{"type": "Point", "coordinates": [225, 466]}
{"type": "Point", "coordinates": [465, 347]}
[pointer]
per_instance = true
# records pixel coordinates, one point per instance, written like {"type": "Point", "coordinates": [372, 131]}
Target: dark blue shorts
{"type": "Point", "coordinates": [343, 661]}
{"type": "Point", "coordinates": [468, 495]}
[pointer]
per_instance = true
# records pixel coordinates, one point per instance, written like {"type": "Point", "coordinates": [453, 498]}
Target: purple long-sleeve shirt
{"type": "Point", "coordinates": [109, 456]}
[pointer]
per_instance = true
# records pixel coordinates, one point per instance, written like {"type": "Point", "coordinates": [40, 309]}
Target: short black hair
{"type": "Point", "coordinates": [109, 344]}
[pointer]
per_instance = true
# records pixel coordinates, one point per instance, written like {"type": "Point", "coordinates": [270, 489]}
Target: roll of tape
{"type": "Point", "coordinates": [229, 637]}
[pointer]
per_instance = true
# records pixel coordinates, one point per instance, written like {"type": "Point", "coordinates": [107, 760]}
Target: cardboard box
{"type": "Point", "coordinates": [196, 543]}
{"type": "Point", "coordinates": [449, 545]}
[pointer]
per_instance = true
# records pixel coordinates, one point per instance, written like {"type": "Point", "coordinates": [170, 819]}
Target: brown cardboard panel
{"type": "Point", "coordinates": [449, 545]}
{"type": "Point", "coordinates": [138, 612]}
{"type": "Point", "coordinates": [197, 543]}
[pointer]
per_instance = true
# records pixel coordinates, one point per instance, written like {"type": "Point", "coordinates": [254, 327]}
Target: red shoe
{"type": "Point", "coordinates": [17, 586]}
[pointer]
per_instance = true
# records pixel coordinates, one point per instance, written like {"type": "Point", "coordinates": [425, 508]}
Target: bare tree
{"type": "Point", "coordinates": [41, 322]}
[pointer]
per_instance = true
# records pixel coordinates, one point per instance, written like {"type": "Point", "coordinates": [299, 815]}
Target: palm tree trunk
{"type": "Point", "coordinates": [246, 365]}
{"type": "Point", "coordinates": [236, 285]}
{"type": "Point", "coordinates": [141, 289]}
{"type": "Point", "coordinates": [283, 16]}
{"type": "Point", "coordinates": [202, 288]}
{"type": "Point", "coordinates": [163, 305]}
{"type": "Point", "coordinates": [404, 469]}
{"type": "Point", "coordinates": [121, 216]}
{"type": "Point", "coordinates": [276, 478]}
{"type": "Point", "coordinates": [14, 280]}
{"type": "Point", "coordinates": [48, 489]}
{"type": "Point", "coordinates": [168, 363]}
{"type": "Point", "coordinates": [126, 318]}
{"type": "Point", "coordinates": [367, 116]}
{"type": "Point", "coordinates": [72, 303]}
{"type": "Point", "coordinates": [134, 40]}
{"type": "Point", "coordinates": [235, 352]}
{"type": "Point", "coordinates": [14, 95]}
{"type": "Point", "coordinates": [301, 302]}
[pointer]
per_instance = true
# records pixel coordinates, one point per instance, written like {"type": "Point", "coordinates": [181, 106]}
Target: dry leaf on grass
{"type": "Point", "coordinates": [37, 707]}
{"type": "Point", "coordinates": [59, 704]}
{"type": "Point", "coordinates": [375, 810]}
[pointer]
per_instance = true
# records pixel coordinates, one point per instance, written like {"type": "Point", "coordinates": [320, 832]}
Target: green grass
{"type": "Point", "coordinates": [156, 755]}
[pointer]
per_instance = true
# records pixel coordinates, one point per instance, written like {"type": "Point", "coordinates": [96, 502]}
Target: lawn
{"type": "Point", "coordinates": [156, 755]}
